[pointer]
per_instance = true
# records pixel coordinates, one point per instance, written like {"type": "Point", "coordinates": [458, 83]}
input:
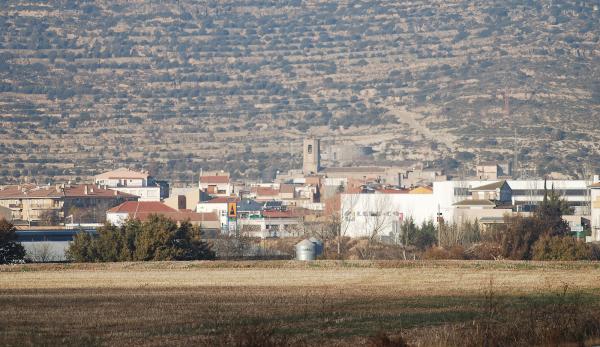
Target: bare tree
{"type": "Point", "coordinates": [41, 253]}
{"type": "Point", "coordinates": [378, 216]}
{"type": "Point", "coordinates": [341, 214]}
{"type": "Point", "coordinates": [374, 216]}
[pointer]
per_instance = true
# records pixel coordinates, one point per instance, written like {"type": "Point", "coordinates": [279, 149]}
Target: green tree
{"type": "Point", "coordinates": [81, 249]}
{"type": "Point", "coordinates": [158, 238]}
{"type": "Point", "coordinates": [550, 214]}
{"type": "Point", "coordinates": [421, 237]}
{"type": "Point", "coordinates": [10, 250]}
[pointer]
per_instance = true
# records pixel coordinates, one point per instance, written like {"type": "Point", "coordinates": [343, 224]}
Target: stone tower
{"type": "Point", "coordinates": [311, 156]}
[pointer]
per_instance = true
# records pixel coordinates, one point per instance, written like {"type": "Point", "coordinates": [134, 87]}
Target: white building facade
{"type": "Point", "coordinates": [380, 215]}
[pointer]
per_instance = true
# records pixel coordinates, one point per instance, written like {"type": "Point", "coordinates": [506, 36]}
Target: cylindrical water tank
{"type": "Point", "coordinates": [318, 245]}
{"type": "Point", "coordinates": [305, 250]}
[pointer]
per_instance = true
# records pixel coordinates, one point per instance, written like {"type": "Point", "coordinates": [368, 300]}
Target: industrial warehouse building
{"type": "Point", "coordinates": [380, 213]}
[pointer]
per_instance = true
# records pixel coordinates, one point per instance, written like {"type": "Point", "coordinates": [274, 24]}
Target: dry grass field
{"type": "Point", "coordinates": [291, 303]}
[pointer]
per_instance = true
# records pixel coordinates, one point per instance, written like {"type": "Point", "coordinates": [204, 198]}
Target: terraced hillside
{"type": "Point", "coordinates": [179, 85]}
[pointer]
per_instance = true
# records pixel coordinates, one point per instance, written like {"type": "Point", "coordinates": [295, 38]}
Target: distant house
{"type": "Point", "coordinates": [265, 193]}
{"type": "Point", "coordinates": [499, 191]}
{"type": "Point", "coordinates": [132, 182]}
{"type": "Point", "coordinates": [142, 210]}
{"type": "Point", "coordinates": [218, 206]}
{"type": "Point", "coordinates": [271, 223]}
{"type": "Point", "coordinates": [218, 184]}
{"type": "Point", "coordinates": [184, 198]}
{"type": "Point", "coordinates": [122, 177]}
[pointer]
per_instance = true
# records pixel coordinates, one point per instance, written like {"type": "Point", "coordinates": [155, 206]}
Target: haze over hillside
{"type": "Point", "coordinates": [181, 85]}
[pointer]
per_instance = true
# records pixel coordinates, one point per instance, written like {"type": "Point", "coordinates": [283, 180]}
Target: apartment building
{"type": "Point", "coordinates": [131, 182]}
{"type": "Point", "coordinates": [51, 205]}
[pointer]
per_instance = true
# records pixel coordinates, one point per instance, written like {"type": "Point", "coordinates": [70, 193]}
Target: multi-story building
{"type": "Point", "coordinates": [50, 205]}
{"type": "Point", "coordinates": [31, 204]}
{"type": "Point", "coordinates": [131, 182]}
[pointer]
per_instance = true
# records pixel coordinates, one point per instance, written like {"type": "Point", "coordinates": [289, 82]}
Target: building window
{"type": "Point", "coordinates": [309, 149]}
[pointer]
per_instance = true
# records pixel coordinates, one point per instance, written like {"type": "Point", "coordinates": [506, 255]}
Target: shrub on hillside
{"type": "Point", "coordinates": [158, 238]}
{"type": "Point", "coordinates": [563, 248]}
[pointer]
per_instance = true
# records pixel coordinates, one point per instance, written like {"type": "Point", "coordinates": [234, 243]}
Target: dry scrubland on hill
{"type": "Point", "coordinates": [182, 84]}
{"type": "Point", "coordinates": [297, 303]}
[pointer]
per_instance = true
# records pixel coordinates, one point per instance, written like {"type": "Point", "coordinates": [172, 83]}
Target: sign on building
{"type": "Point", "coordinates": [232, 210]}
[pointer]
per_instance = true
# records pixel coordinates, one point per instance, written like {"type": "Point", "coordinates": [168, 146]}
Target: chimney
{"type": "Point", "coordinates": [85, 190]}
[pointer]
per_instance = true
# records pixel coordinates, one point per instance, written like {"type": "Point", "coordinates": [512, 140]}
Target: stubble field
{"type": "Point", "coordinates": [291, 303]}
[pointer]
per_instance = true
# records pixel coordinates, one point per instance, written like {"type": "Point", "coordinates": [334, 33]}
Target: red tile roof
{"type": "Point", "coordinates": [142, 207]}
{"type": "Point", "coordinates": [214, 179]}
{"type": "Point", "coordinates": [142, 210]}
{"type": "Point", "coordinates": [30, 191]}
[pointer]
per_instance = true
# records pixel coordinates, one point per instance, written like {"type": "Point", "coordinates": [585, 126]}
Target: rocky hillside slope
{"type": "Point", "coordinates": [179, 85]}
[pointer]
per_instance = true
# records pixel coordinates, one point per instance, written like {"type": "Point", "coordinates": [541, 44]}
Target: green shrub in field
{"type": "Point", "coordinates": [563, 248]}
{"type": "Point", "coordinates": [158, 238]}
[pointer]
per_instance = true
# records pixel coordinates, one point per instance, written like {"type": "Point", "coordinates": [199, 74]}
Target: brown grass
{"type": "Point", "coordinates": [283, 303]}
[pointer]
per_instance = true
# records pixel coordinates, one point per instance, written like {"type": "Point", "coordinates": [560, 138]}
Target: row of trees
{"type": "Point", "coordinates": [158, 238]}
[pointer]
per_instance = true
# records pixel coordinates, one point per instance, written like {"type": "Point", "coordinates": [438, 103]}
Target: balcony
{"type": "Point", "coordinates": [45, 207]}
